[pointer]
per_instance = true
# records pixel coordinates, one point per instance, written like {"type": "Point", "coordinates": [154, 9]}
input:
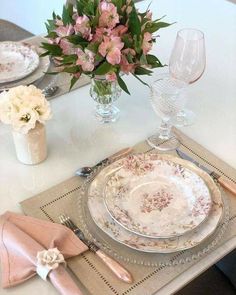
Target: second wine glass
{"type": "Point", "coordinates": [187, 63]}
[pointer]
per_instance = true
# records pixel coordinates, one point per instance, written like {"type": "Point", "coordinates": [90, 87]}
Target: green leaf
{"type": "Point", "coordinates": [51, 73]}
{"type": "Point", "coordinates": [98, 58]}
{"type": "Point", "coordinates": [67, 15]}
{"type": "Point", "coordinates": [152, 27]}
{"type": "Point", "coordinates": [52, 35]}
{"type": "Point", "coordinates": [143, 59]}
{"type": "Point", "coordinates": [50, 25]}
{"type": "Point", "coordinates": [80, 8]}
{"type": "Point", "coordinates": [68, 59]}
{"type": "Point", "coordinates": [144, 83]}
{"type": "Point", "coordinates": [72, 82]}
{"type": "Point", "coordinates": [142, 71]}
{"type": "Point", "coordinates": [70, 9]}
{"type": "Point", "coordinates": [54, 49]}
{"type": "Point", "coordinates": [134, 23]}
{"type": "Point", "coordinates": [157, 20]}
{"type": "Point", "coordinates": [151, 59]}
{"type": "Point", "coordinates": [89, 8]}
{"type": "Point", "coordinates": [103, 69]}
{"type": "Point", "coordinates": [137, 44]}
{"type": "Point", "coordinates": [72, 70]}
{"type": "Point", "coordinates": [93, 46]}
{"type": "Point", "coordinates": [78, 40]}
{"type": "Point", "coordinates": [158, 65]}
{"type": "Point", "coordinates": [118, 4]}
{"type": "Point", "coordinates": [96, 4]}
{"type": "Point", "coordinates": [122, 84]}
{"type": "Point", "coordinates": [127, 40]}
{"type": "Point", "coordinates": [154, 61]}
{"type": "Point", "coordinates": [95, 20]}
{"type": "Point", "coordinates": [44, 54]}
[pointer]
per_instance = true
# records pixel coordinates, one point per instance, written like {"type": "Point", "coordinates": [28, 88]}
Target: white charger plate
{"type": "Point", "coordinates": [156, 197]}
{"type": "Point", "coordinates": [106, 223]}
{"type": "Point", "coordinates": [17, 60]}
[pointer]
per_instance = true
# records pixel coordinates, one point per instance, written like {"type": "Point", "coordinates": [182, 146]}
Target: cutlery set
{"type": "Point", "coordinates": [113, 265]}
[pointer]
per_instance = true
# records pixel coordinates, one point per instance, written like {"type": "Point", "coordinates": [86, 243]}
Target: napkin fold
{"type": "Point", "coordinates": [22, 237]}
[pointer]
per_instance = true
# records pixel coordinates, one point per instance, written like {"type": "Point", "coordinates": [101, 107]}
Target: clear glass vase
{"type": "Point", "coordinates": [105, 93]}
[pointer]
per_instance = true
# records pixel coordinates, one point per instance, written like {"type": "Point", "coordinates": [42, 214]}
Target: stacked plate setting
{"type": "Point", "coordinates": [155, 203]}
{"type": "Point", "coordinates": [20, 65]}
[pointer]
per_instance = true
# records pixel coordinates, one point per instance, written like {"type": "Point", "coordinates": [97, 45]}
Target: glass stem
{"type": "Point", "coordinates": [164, 130]}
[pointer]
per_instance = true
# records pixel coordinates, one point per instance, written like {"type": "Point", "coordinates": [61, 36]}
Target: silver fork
{"type": "Point", "coordinates": [113, 265]}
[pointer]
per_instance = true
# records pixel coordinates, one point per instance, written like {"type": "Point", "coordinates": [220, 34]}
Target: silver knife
{"type": "Point", "coordinates": [114, 265]}
{"type": "Point", "coordinates": [222, 180]}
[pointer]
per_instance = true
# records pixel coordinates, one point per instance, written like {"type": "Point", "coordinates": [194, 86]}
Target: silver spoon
{"type": "Point", "coordinates": [50, 90]}
{"type": "Point", "coordinates": [86, 171]}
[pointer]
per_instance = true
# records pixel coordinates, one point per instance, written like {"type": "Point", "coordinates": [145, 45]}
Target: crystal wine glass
{"type": "Point", "coordinates": [187, 63]}
{"type": "Point", "coordinates": [166, 100]}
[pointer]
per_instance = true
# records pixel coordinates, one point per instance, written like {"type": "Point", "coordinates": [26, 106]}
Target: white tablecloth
{"type": "Point", "coordinates": [76, 139]}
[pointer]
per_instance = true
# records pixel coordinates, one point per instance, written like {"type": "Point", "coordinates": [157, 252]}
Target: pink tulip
{"type": "Point", "coordinates": [82, 26]}
{"type": "Point", "coordinates": [147, 42]}
{"type": "Point", "coordinates": [85, 59]}
{"type": "Point", "coordinates": [109, 16]}
{"type": "Point", "coordinates": [111, 77]}
{"type": "Point", "coordinates": [111, 48]}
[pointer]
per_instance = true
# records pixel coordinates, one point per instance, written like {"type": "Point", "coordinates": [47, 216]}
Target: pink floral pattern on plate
{"type": "Point", "coordinates": [156, 201]}
{"type": "Point", "coordinates": [138, 165]}
{"type": "Point", "coordinates": [156, 197]}
{"type": "Point", "coordinates": [107, 224]}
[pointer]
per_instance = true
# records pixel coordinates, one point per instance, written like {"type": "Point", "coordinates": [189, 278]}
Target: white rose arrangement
{"type": "Point", "coordinates": [24, 106]}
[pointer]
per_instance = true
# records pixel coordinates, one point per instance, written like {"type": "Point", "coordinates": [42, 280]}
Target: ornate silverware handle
{"type": "Point", "coordinates": [225, 182]}
{"type": "Point", "coordinates": [115, 267]}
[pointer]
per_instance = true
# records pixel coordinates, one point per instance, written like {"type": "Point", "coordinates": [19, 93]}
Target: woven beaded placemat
{"type": "Point", "coordinates": [92, 274]}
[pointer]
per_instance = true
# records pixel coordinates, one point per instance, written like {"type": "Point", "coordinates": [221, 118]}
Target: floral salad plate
{"type": "Point", "coordinates": [189, 239]}
{"type": "Point", "coordinates": [17, 60]}
{"type": "Point", "coordinates": [156, 197]}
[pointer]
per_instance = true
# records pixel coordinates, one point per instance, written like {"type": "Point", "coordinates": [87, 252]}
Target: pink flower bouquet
{"type": "Point", "coordinates": [103, 38]}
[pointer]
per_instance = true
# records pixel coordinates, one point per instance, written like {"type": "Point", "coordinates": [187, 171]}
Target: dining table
{"type": "Point", "coordinates": [76, 139]}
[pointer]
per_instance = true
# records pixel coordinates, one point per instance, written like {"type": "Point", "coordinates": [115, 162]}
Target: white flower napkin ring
{"type": "Point", "coordinates": [48, 260]}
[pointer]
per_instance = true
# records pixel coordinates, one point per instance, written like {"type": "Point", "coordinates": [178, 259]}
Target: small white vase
{"type": "Point", "coordinates": [31, 148]}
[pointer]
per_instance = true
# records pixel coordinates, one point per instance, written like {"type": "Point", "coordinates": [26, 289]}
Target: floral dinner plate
{"type": "Point", "coordinates": [156, 197]}
{"type": "Point", "coordinates": [17, 60]}
{"type": "Point", "coordinates": [106, 223]}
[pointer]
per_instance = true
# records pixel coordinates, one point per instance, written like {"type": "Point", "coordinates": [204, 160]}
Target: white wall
{"type": "Point", "coordinates": [30, 14]}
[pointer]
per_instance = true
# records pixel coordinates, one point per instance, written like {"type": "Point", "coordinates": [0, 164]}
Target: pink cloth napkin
{"type": "Point", "coordinates": [21, 237]}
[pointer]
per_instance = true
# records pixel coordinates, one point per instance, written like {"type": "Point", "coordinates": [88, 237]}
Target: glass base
{"type": "Point", "coordinates": [184, 118]}
{"type": "Point", "coordinates": [107, 113]}
{"type": "Point", "coordinates": [163, 144]}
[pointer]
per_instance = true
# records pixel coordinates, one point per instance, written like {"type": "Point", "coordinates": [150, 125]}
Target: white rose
{"type": "Point", "coordinates": [50, 258]}
{"type": "Point", "coordinates": [24, 120]}
{"type": "Point", "coordinates": [23, 106]}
